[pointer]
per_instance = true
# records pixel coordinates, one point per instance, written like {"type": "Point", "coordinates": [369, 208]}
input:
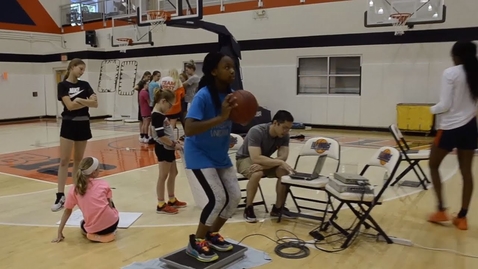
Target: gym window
{"type": "Point", "coordinates": [329, 75]}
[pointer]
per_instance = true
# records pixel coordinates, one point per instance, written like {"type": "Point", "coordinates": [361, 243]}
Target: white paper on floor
{"type": "Point", "coordinates": [126, 219]}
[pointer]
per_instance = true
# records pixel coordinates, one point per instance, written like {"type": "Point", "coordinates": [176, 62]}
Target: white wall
{"type": "Point", "coordinates": [391, 74]}
{"type": "Point", "coordinates": [53, 8]}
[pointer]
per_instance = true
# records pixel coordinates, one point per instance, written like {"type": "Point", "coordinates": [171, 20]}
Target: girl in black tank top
{"type": "Point", "coordinates": [77, 97]}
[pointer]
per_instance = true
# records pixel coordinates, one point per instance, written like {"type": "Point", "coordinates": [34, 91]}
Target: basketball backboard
{"type": "Point", "coordinates": [380, 12]}
{"type": "Point", "coordinates": [126, 27]}
{"type": "Point", "coordinates": [177, 10]}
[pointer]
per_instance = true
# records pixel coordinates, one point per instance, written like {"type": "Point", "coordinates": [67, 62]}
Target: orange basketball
{"type": "Point", "coordinates": [246, 108]}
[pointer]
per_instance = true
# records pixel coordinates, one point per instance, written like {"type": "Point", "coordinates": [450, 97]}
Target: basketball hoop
{"type": "Point", "coordinates": [123, 43]}
{"type": "Point", "coordinates": [158, 17]}
{"type": "Point", "coordinates": [399, 21]}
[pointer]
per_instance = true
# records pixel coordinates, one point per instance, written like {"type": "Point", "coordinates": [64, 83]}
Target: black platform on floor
{"type": "Point", "coordinates": [181, 260]}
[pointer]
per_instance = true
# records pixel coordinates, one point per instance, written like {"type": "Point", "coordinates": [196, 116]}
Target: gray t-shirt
{"type": "Point", "coordinates": [193, 83]}
{"type": "Point", "coordinates": [161, 127]}
{"type": "Point", "coordinates": [258, 136]}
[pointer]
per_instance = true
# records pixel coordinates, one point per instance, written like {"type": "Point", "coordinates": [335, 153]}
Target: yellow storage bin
{"type": "Point", "coordinates": [414, 117]}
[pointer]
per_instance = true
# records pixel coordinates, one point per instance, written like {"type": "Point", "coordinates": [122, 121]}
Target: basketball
{"type": "Point", "coordinates": [246, 108]}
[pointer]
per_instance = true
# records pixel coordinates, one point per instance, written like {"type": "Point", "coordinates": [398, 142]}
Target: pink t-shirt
{"type": "Point", "coordinates": [144, 103]}
{"type": "Point", "coordinates": [97, 212]}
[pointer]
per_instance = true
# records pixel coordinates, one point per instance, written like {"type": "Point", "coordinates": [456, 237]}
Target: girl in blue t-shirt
{"type": "Point", "coordinates": [206, 146]}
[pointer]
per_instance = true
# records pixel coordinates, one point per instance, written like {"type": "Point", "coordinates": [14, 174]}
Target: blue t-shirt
{"type": "Point", "coordinates": [152, 85]}
{"type": "Point", "coordinates": [208, 149]}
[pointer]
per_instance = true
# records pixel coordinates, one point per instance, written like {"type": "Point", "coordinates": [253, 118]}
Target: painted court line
{"type": "Point", "coordinates": [26, 193]}
{"type": "Point", "coordinates": [447, 177]}
{"type": "Point", "coordinates": [35, 192]}
{"type": "Point", "coordinates": [29, 178]}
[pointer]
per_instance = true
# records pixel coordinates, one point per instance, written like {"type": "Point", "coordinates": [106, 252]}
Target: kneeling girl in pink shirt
{"type": "Point", "coordinates": [95, 200]}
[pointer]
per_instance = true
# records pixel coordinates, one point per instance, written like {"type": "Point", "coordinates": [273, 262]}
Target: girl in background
{"type": "Point", "coordinates": [77, 97]}
{"type": "Point", "coordinates": [173, 83]}
{"type": "Point", "coordinates": [165, 148]}
{"type": "Point", "coordinates": [184, 105]}
{"type": "Point", "coordinates": [191, 84]}
{"type": "Point", "coordinates": [457, 127]}
{"type": "Point", "coordinates": [95, 200]}
{"type": "Point", "coordinates": [208, 131]}
{"type": "Point", "coordinates": [145, 110]}
{"type": "Point", "coordinates": [146, 76]}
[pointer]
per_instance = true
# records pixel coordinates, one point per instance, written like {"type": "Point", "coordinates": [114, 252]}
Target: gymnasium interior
{"type": "Point", "coordinates": [358, 76]}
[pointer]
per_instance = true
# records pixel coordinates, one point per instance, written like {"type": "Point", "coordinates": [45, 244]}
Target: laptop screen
{"type": "Point", "coordinates": [319, 165]}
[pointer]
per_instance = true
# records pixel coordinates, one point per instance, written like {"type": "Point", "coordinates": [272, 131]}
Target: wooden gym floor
{"type": "Point", "coordinates": [28, 163]}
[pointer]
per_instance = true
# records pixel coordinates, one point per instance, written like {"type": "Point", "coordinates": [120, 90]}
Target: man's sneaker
{"type": "Point", "coordinates": [166, 209]}
{"type": "Point", "coordinates": [249, 215]}
{"type": "Point", "coordinates": [285, 213]}
{"type": "Point", "coordinates": [178, 204]}
{"type": "Point", "coordinates": [59, 202]}
{"type": "Point", "coordinates": [217, 242]}
{"type": "Point", "coordinates": [199, 249]}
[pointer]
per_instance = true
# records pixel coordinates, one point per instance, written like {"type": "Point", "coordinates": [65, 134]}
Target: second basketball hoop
{"type": "Point", "coordinates": [158, 18]}
{"type": "Point", "coordinates": [399, 21]}
{"type": "Point", "coordinates": [123, 43]}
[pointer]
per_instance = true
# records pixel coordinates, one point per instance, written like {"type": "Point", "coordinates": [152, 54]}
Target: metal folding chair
{"type": "Point", "coordinates": [234, 145]}
{"type": "Point", "coordinates": [412, 157]}
{"type": "Point", "coordinates": [314, 147]}
{"type": "Point", "coordinates": [388, 158]}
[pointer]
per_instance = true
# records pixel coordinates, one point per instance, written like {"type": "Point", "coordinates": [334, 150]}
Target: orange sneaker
{"type": "Point", "coordinates": [460, 223]}
{"type": "Point", "coordinates": [101, 238]}
{"type": "Point", "coordinates": [178, 204]}
{"type": "Point", "coordinates": [438, 217]}
{"type": "Point", "coordinates": [166, 209]}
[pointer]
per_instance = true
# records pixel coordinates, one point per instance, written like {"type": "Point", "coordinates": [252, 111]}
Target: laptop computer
{"type": "Point", "coordinates": [315, 172]}
{"type": "Point", "coordinates": [349, 178]}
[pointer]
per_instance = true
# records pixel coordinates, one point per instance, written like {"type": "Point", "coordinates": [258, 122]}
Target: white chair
{"type": "Point", "coordinates": [199, 196]}
{"type": "Point", "coordinates": [197, 191]}
{"type": "Point", "coordinates": [313, 147]}
{"type": "Point", "coordinates": [234, 145]}
{"type": "Point", "coordinates": [412, 157]}
{"type": "Point", "coordinates": [388, 158]}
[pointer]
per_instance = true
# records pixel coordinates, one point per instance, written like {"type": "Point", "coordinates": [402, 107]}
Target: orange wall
{"type": "Point", "coordinates": [211, 10]}
{"type": "Point", "coordinates": [43, 22]}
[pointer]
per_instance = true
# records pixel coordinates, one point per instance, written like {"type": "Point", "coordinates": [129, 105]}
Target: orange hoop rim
{"type": "Point", "coordinates": [156, 14]}
{"type": "Point", "coordinates": [401, 17]}
{"type": "Point", "coordinates": [125, 39]}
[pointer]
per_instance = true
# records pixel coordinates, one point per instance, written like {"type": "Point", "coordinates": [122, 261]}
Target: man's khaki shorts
{"type": "Point", "coordinates": [244, 164]}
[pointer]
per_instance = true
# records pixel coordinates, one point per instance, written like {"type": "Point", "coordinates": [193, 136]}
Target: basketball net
{"type": "Point", "coordinates": [123, 43]}
{"type": "Point", "coordinates": [158, 18]}
{"type": "Point", "coordinates": [399, 21]}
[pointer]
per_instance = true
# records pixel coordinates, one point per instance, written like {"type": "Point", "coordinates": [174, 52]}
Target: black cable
{"type": "Point", "coordinates": [301, 245]}
{"type": "Point", "coordinates": [284, 243]}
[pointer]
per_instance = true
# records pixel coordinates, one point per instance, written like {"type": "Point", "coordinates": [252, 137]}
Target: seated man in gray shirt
{"type": "Point", "coordinates": [253, 160]}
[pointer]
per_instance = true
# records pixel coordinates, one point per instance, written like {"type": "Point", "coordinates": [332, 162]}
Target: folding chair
{"type": "Point", "coordinates": [234, 145]}
{"type": "Point", "coordinates": [412, 157]}
{"type": "Point", "coordinates": [314, 147]}
{"type": "Point", "coordinates": [388, 158]}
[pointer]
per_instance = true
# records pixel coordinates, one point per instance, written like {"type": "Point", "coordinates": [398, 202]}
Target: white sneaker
{"type": "Point", "coordinates": [144, 140]}
{"type": "Point", "coordinates": [59, 202]}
